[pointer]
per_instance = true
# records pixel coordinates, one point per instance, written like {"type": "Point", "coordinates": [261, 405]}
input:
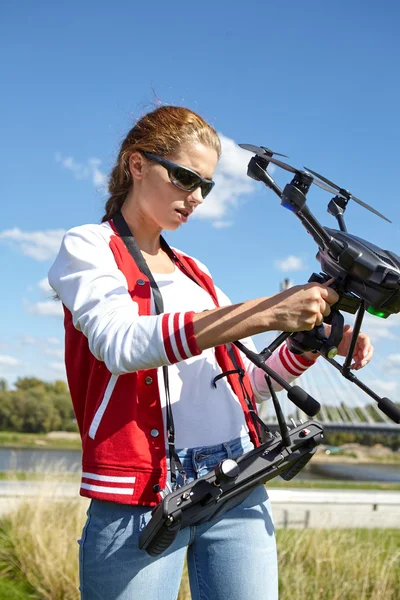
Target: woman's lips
{"type": "Point", "coordinates": [183, 214]}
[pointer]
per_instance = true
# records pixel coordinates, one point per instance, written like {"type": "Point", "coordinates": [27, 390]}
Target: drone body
{"type": "Point", "coordinates": [365, 270]}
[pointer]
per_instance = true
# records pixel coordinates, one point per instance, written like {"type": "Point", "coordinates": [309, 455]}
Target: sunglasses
{"type": "Point", "coordinates": [182, 177]}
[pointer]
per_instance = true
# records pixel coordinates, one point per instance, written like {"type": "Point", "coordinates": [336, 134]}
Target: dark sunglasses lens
{"type": "Point", "coordinates": [185, 179]}
{"type": "Point", "coordinates": [206, 189]}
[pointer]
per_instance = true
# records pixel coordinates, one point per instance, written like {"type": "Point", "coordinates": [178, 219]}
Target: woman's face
{"type": "Point", "coordinates": [161, 204]}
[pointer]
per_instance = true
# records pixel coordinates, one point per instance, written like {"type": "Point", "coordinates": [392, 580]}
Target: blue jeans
{"type": "Point", "coordinates": [232, 557]}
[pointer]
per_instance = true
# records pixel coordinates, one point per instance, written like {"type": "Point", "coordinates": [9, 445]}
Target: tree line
{"type": "Point", "coordinates": [36, 406]}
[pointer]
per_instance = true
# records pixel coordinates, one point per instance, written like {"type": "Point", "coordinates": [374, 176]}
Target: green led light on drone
{"type": "Point", "coordinates": [377, 313]}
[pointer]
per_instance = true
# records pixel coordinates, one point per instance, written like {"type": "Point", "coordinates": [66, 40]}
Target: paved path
{"type": "Point", "coordinates": [317, 509]}
{"type": "Point", "coordinates": [294, 508]}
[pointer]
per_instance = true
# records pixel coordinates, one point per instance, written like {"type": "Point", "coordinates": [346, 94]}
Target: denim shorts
{"type": "Point", "coordinates": [232, 557]}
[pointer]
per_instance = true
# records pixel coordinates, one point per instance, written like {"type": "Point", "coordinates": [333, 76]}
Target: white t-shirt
{"type": "Point", "coordinates": [203, 415]}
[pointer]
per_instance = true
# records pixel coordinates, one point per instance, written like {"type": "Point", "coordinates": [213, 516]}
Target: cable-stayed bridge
{"type": "Point", "coordinates": [344, 406]}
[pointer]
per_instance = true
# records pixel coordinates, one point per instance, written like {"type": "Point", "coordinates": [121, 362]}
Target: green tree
{"type": "Point", "coordinates": [29, 383]}
{"type": "Point", "coordinates": [6, 410]}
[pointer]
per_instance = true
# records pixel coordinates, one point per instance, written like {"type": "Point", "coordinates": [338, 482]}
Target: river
{"type": "Point", "coordinates": [28, 459]}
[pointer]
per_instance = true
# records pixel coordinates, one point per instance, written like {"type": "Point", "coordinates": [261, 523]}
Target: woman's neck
{"type": "Point", "coordinates": [146, 236]}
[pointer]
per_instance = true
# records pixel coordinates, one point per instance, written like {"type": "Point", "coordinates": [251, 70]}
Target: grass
{"type": "Point", "coordinates": [355, 564]}
{"type": "Point", "coordinates": [38, 547]}
{"type": "Point", "coordinates": [39, 558]}
{"type": "Point", "coordinates": [40, 475]}
{"type": "Point", "coordinates": [14, 590]}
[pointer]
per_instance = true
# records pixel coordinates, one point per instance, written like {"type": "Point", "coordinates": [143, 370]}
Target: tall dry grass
{"type": "Point", "coordinates": [339, 564]}
{"type": "Point", "coordinates": [38, 543]}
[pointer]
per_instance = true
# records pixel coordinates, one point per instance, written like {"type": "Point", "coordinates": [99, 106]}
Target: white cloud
{"type": "Point", "coordinates": [99, 178]}
{"type": "Point", "coordinates": [44, 286]}
{"type": "Point", "coordinates": [378, 328]}
{"type": "Point", "coordinates": [57, 353]}
{"type": "Point", "coordinates": [49, 308]}
{"type": "Point", "coordinates": [9, 361]}
{"type": "Point", "coordinates": [59, 367]}
{"type": "Point", "coordinates": [40, 245]}
{"type": "Point", "coordinates": [88, 170]}
{"type": "Point", "coordinates": [28, 340]}
{"type": "Point", "coordinates": [231, 182]}
{"type": "Point", "coordinates": [382, 386]}
{"type": "Point", "coordinates": [290, 263]}
{"type": "Point", "coordinates": [392, 362]}
{"type": "Point", "coordinates": [53, 341]}
{"type": "Point", "coordinates": [222, 224]}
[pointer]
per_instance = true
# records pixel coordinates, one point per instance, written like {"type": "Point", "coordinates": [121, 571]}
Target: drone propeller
{"type": "Point", "coordinates": [261, 150]}
{"type": "Point", "coordinates": [267, 154]}
{"type": "Point", "coordinates": [331, 187]}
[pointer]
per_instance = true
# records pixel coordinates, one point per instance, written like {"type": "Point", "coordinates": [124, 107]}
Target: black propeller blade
{"type": "Point", "coordinates": [343, 193]}
{"type": "Point", "coordinates": [260, 150]}
{"type": "Point", "coordinates": [267, 154]}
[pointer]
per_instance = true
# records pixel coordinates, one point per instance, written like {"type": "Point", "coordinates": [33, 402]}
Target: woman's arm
{"type": "Point", "coordinates": [89, 283]}
{"type": "Point", "coordinates": [299, 308]}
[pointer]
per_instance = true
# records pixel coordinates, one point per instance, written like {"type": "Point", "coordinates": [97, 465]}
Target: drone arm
{"type": "Point", "coordinates": [267, 352]}
{"type": "Point", "coordinates": [356, 331]}
{"type": "Point", "coordinates": [384, 404]}
{"type": "Point", "coordinates": [336, 208]}
{"type": "Point", "coordinates": [320, 236]}
{"type": "Point", "coordinates": [390, 409]}
{"type": "Point", "coordinates": [296, 394]}
{"type": "Point", "coordinates": [279, 414]}
{"type": "Point", "coordinates": [257, 169]}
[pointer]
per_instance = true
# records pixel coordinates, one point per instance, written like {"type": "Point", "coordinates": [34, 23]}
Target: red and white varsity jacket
{"type": "Point", "coordinates": [113, 347]}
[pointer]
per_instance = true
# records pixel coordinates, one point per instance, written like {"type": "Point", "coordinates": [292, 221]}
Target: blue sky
{"type": "Point", "coordinates": [316, 81]}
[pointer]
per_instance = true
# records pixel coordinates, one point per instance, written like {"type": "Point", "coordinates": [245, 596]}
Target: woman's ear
{"type": "Point", "coordinates": [137, 165]}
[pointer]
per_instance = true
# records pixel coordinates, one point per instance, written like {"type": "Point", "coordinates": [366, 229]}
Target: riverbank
{"type": "Point", "coordinates": [278, 482]}
{"type": "Point", "coordinates": [356, 453]}
{"type": "Point", "coordinates": [59, 440]}
{"type": "Point", "coordinates": [65, 440]}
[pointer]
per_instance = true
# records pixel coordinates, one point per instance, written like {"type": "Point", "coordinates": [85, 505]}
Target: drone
{"type": "Point", "coordinates": [367, 279]}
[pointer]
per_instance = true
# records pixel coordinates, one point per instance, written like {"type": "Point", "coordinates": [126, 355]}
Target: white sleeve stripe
{"type": "Point", "coordinates": [182, 330]}
{"type": "Point", "coordinates": [293, 360]}
{"type": "Point", "coordinates": [172, 337]}
{"type": "Point", "coordinates": [160, 336]}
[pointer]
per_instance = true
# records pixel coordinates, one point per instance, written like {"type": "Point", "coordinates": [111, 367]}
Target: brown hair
{"type": "Point", "coordinates": [161, 132]}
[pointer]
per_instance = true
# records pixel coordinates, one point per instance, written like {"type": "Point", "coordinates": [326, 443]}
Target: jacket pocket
{"type": "Point", "coordinates": [103, 405]}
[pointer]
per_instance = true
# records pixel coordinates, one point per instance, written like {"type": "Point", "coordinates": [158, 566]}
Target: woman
{"type": "Point", "coordinates": [145, 428]}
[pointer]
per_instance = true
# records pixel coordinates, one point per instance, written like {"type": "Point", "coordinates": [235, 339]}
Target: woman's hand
{"type": "Point", "coordinates": [301, 307]}
{"type": "Point", "coordinates": [363, 350]}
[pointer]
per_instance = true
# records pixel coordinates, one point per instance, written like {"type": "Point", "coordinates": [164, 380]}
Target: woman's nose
{"type": "Point", "coordinates": [196, 197]}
